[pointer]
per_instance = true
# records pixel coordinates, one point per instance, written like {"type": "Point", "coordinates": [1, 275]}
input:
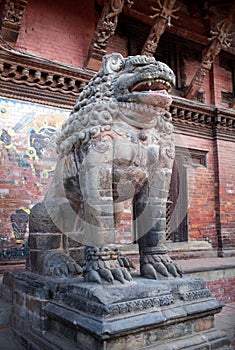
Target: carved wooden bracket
{"type": "Point", "coordinates": [106, 27]}
{"type": "Point", "coordinates": [11, 19]}
{"type": "Point", "coordinates": [163, 13]}
{"type": "Point", "coordinates": [221, 38]}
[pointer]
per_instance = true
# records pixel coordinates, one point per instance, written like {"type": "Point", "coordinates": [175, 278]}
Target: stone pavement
{"type": "Point", "coordinates": [8, 341]}
{"type": "Point", "coordinates": [225, 321]}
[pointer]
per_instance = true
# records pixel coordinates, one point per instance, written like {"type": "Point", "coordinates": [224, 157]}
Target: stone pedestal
{"type": "Point", "coordinates": [70, 314]}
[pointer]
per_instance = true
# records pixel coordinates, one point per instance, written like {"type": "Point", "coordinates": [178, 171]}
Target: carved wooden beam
{"type": "Point", "coordinates": [207, 121]}
{"type": "Point", "coordinates": [163, 14]}
{"type": "Point", "coordinates": [221, 39]}
{"type": "Point", "coordinates": [12, 12]}
{"type": "Point", "coordinates": [106, 27]}
{"type": "Point", "coordinates": [41, 81]}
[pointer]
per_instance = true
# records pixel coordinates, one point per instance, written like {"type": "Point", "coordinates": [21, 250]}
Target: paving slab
{"type": "Point", "coordinates": [225, 321]}
{"type": "Point", "coordinates": [8, 340]}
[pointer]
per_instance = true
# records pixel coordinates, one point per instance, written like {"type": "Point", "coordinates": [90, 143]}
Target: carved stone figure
{"type": "Point", "coordinates": [107, 23]}
{"type": "Point", "coordinates": [116, 145]}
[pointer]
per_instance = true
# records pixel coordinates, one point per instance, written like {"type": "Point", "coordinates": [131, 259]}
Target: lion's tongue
{"type": "Point", "coordinates": [154, 98]}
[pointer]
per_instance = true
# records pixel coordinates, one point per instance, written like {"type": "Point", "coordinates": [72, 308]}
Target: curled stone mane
{"type": "Point", "coordinates": [94, 110]}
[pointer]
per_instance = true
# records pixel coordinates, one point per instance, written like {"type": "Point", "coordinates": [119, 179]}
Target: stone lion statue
{"type": "Point", "coordinates": [115, 145]}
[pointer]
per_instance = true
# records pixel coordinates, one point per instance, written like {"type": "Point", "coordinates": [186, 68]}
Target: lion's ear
{"type": "Point", "coordinates": [113, 63]}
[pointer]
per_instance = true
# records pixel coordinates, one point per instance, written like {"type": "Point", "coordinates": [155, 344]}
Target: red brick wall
{"type": "Point", "coordinates": [221, 289]}
{"type": "Point", "coordinates": [58, 30]}
{"type": "Point", "coordinates": [226, 183]}
{"type": "Point", "coordinates": [118, 44]}
{"type": "Point", "coordinates": [201, 196]}
{"type": "Point", "coordinates": [222, 82]}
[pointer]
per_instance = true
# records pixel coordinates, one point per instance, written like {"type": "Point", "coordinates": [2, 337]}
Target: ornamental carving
{"type": "Point", "coordinates": [106, 26]}
{"type": "Point", "coordinates": [126, 307]}
{"type": "Point", "coordinates": [221, 38]}
{"type": "Point", "coordinates": [11, 19]}
{"type": "Point", "coordinates": [12, 13]}
{"type": "Point", "coordinates": [196, 294]}
{"type": "Point", "coordinates": [43, 79]}
{"type": "Point", "coordinates": [163, 13]}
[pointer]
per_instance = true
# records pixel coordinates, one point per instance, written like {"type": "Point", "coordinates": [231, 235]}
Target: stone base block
{"type": "Point", "coordinates": [144, 314]}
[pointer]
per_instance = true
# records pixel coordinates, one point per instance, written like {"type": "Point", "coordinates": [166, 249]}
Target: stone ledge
{"type": "Point", "coordinates": [206, 264]}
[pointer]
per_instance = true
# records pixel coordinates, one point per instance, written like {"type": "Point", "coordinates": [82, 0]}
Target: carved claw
{"type": "Point", "coordinates": [58, 264]}
{"type": "Point", "coordinates": [92, 276]}
{"type": "Point", "coordinates": [110, 272]}
{"type": "Point", "coordinates": [106, 274]}
{"type": "Point", "coordinates": [148, 271]}
{"type": "Point", "coordinates": [159, 267]}
{"type": "Point", "coordinates": [105, 264]}
{"type": "Point", "coordinates": [126, 262]}
{"type": "Point", "coordinates": [126, 274]}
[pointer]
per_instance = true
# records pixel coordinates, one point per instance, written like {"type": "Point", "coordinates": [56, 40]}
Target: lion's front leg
{"type": "Point", "coordinates": [150, 226]}
{"type": "Point", "coordinates": [102, 258]}
{"type": "Point", "coordinates": [47, 256]}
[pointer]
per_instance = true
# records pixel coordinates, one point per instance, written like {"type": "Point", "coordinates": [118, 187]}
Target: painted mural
{"type": "Point", "coordinates": [27, 157]}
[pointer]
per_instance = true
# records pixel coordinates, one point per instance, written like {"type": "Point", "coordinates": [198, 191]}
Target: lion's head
{"type": "Point", "coordinates": [133, 87]}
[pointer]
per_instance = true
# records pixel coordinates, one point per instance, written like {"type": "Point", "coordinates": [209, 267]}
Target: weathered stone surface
{"type": "Point", "coordinates": [5, 313]}
{"type": "Point", "coordinates": [116, 145]}
{"type": "Point", "coordinates": [41, 240]}
{"type": "Point", "coordinates": [143, 314]}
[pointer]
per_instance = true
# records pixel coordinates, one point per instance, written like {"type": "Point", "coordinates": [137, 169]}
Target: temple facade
{"type": "Point", "coordinates": [50, 50]}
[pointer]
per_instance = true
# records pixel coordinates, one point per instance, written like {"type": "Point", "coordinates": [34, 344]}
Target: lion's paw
{"type": "Point", "coordinates": [105, 264]}
{"type": "Point", "coordinates": [159, 266]}
{"type": "Point", "coordinates": [58, 264]}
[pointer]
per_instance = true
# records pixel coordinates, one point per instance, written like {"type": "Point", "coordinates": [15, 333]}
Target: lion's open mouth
{"type": "Point", "coordinates": [158, 85]}
{"type": "Point", "coordinates": [151, 92]}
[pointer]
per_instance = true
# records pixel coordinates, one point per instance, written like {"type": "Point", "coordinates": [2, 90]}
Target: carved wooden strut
{"type": "Point", "coordinates": [221, 38]}
{"type": "Point", "coordinates": [11, 19]}
{"type": "Point", "coordinates": [105, 28]}
{"type": "Point", "coordinates": [163, 14]}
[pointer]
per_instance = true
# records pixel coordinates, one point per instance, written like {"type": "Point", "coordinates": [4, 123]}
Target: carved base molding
{"type": "Point", "coordinates": [142, 314]}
